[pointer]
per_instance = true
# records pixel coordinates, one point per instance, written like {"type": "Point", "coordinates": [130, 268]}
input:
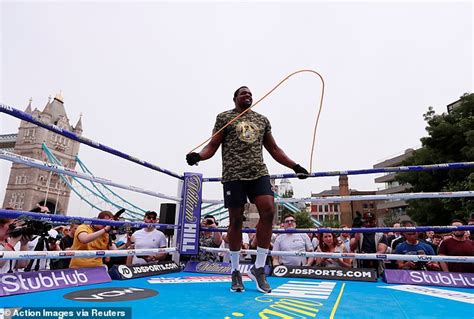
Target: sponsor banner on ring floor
{"type": "Point", "coordinates": [429, 278]}
{"type": "Point", "coordinates": [121, 272]}
{"type": "Point", "coordinates": [27, 282]}
{"type": "Point", "coordinates": [359, 274]}
{"type": "Point", "coordinates": [208, 267]}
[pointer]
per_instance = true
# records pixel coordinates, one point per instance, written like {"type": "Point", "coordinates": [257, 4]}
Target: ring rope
{"type": "Point", "coordinates": [417, 168]}
{"type": "Point", "coordinates": [19, 159]}
{"type": "Point", "coordinates": [78, 138]}
{"type": "Point", "coordinates": [83, 220]}
{"type": "Point", "coordinates": [267, 94]}
{"type": "Point", "coordinates": [443, 229]}
{"type": "Point", "coordinates": [16, 255]}
{"type": "Point", "coordinates": [338, 199]}
{"type": "Point", "coordinates": [437, 258]}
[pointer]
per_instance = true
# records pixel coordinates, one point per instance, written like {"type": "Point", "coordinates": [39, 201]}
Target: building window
{"type": "Point", "coordinates": [320, 208]}
{"type": "Point", "coordinates": [336, 208]}
{"type": "Point", "coordinates": [366, 206]}
{"type": "Point", "coordinates": [326, 208]}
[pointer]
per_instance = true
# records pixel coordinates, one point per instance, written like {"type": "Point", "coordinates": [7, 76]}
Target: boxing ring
{"type": "Point", "coordinates": [184, 294]}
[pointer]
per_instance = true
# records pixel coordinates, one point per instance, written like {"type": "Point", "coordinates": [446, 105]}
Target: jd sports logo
{"type": "Point", "coordinates": [111, 294]}
{"type": "Point", "coordinates": [125, 271]}
{"type": "Point", "coordinates": [280, 271]}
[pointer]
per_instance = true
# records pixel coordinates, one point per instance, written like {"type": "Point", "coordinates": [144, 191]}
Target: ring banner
{"type": "Point", "coordinates": [218, 267]}
{"type": "Point", "coordinates": [190, 214]}
{"type": "Point", "coordinates": [28, 282]}
{"type": "Point", "coordinates": [358, 274]}
{"type": "Point", "coordinates": [429, 278]}
{"type": "Point", "coordinates": [123, 272]}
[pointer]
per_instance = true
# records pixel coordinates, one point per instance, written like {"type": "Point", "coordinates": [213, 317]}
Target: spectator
{"type": "Point", "coordinates": [65, 243]}
{"type": "Point", "coordinates": [148, 237]}
{"type": "Point", "coordinates": [458, 245]}
{"type": "Point", "coordinates": [8, 243]}
{"type": "Point", "coordinates": [92, 237]}
{"type": "Point", "coordinates": [344, 239]}
{"type": "Point", "coordinates": [412, 246]}
{"type": "Point", "coordinates": [314, 240]}
{"type": "Point", "coordinates": [394, 236]}
{"type": "Point", "coordinates": [209, 239]}
{"type": "Point", "coordinates": [471, 233]}
{"type": "Point", "coordinates": [429, 236]}
{"type": "Point", "coordinates": [328, 243]}
{"type": "Point", "coordinates": [401, 239]}
{"type": "Point", "coordinates": [369, 243]}
{"type": "Point", "coordinates": [292, 242]}
{"type": "Point", "coordinates": [436, 241]}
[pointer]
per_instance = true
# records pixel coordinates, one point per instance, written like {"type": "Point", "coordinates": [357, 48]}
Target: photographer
{"type": "Point", "coordinates": [209, 239]}
{"type": "Point", "coordinates": [8, 243]}
{"type": "Point", "coordinates": [92, 237]}
{"type": "Point", "coordinates": [148, 237]}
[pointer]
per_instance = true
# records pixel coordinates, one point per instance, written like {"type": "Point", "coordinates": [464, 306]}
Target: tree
{"type": "Point", "coordinates": [303, 220]}
{"type": "Point", "coordinates": [450, 139]}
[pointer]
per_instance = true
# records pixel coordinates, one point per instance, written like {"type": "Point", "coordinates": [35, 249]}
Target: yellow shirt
{"type": "Point", "coordinates": [101, 243]}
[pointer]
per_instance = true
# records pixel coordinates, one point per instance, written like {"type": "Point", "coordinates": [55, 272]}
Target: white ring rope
{"type": "Point", "coordinates": [366, 197]}
{"type": "Point", "coordinates": [12, 157]}
{"type": "Point", "coordinates": [16, 255]}
{"type": "Point", "coordinates": [425, 258]}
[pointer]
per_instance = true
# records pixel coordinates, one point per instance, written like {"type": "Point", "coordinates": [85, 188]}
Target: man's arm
{"type": "Point", "coordinates": [207, 152]}
{"type": "Point", "coordinates": [276, 152]}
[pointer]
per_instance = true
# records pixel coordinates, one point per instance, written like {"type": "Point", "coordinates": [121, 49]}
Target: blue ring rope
{"type": "Point", "coordinates": [29, 118]}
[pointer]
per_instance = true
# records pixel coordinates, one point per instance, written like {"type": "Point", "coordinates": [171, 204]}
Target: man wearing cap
{"type": "Point", "coordinates": [146, 238]}
{"type": "Point", "coordinates": [91, 237]}
{"type": "Point", "coordinates": [369, 243]}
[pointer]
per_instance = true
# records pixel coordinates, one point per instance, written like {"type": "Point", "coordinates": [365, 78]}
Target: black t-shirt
{"type": "Point", "coordinates": [66, 242]}
{"type": "Point", "coordinates": [368, 243]}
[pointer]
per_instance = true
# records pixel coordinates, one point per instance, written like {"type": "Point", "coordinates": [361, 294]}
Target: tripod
{"type": "Point", "coordinates": [42, 242]}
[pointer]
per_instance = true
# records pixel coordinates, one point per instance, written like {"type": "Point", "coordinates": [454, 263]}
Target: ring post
{"type": "Point", "coordinates": [190, 214]}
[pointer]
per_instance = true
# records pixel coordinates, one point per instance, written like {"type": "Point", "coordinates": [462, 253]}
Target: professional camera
{"type": "Point", "coordinates": [29, 228]}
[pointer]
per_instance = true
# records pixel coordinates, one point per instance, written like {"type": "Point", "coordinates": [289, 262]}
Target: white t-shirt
{"type": "Point", "coordinates": [147, 239]}
{"type": "Point", "coordinates": [292, 242]}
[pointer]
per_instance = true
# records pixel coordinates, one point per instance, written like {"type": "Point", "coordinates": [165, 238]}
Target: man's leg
{"type": "Point", "coordinates": [234, 235]}
{"type": "Point", "coordinates": [266, 210]}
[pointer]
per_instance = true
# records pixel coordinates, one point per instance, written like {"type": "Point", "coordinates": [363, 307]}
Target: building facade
{"type": "Point", "coordinates": [342, 213]}
{"type": "Point", "coordinates": [395, 208]}
{"type": "Point", "coordinates": [27, 186]}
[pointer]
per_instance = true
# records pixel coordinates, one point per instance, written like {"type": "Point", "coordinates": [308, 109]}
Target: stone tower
{"type": "Point", "coordinates": [346, 211]}
{"type": "Point", "coordinates": [28, 186]}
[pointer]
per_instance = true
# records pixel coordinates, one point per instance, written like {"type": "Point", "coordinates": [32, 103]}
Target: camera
{"type": "Point", "coordinates": [29, 227]}
{"type": "Point", "coordinates": [209, 222]}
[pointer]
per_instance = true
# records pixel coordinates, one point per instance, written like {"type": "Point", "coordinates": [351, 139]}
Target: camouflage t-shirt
{"type": "Point", "coordinates": [242, 157]}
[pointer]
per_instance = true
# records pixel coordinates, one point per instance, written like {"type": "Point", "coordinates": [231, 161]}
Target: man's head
{"type": "Point", "coordinates": [209, 220]}
{"type": "Point", "coordinates": [369, 220]}
{"type": "Point", "coordinates": [243, 97]}
{"type": "Point", "coordinates": [150, 217]}
{"type": "Point", "coordinates": [458, 234]}
{"type": "Point", "coordinates": [289, 221]}
{"type": "Point", "coordinates": [411, 237]}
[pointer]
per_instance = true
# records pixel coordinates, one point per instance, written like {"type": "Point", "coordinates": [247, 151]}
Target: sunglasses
{"type": "Point", "coordinates": [289, 221]}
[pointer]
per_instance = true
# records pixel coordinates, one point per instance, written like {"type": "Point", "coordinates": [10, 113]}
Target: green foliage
{"type": "Point", "coordinates": [389, 220]}
{"type": "Point", "coordinates": [331, 222]}
{"type": "Point", "coordinates": [450, 139]}
{"type": "Point", "coordinates": [303, 220]}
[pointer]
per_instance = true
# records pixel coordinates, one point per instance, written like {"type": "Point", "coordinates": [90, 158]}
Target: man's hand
{"type": "Point", "coordinates": [301, 172]}
{"type": "Point", "coordinates": [193, 158]}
